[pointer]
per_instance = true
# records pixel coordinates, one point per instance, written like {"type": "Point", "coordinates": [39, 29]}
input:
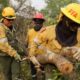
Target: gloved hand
{"type": "Point", "coordinates": [68, 51]}
{"type": "Point", "coordinates": [73, 51]}
{"type": "Point", "coordinates": [34, 61]}
{"type": "Point", "coordinates": [17, 57]}
{"type": "Point", "coordinates": [77, 55]}
{"type": "Point", "coordinates": [38, 68]}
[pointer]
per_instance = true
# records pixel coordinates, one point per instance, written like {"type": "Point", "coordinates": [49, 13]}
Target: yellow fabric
{"type": "Point", "coordinates": [48, 39]}
{"type": "Point", "coordinates": [32, 47]}
{"type": "Point", "coordinates": [72, 11]}
{"type": "Point", "coordinates": [2, 34]}
{"type": "Point", "coordinates": [45, 38]}
{"type": "Point", "coordinates": [4, 46]}
{"type": "Point", "coordinates": [30, 36]}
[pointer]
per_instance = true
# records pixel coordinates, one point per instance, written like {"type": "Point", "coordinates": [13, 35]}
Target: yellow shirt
{"type": "Point", "coordinates": [31, 37]}
{"type": "Point", "coordinates": [4, 45]}
{"type": "Point", "coordinates": [47, 39]}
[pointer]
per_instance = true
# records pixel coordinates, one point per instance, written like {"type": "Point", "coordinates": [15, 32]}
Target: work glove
{"type": "Point", "coordinates": [72, 51]}
{"type": "Point", "coordinates": [34, 61]}
{"type": "Point", "coordinates": [17, 57]}
{"type": "Point", "coordinates": [38, 68]}
{"type": "Point", "coordinates": [77, 54]}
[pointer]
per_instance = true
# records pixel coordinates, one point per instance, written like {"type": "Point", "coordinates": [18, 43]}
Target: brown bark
{"type": "Point", "coordinates": [63, 65]}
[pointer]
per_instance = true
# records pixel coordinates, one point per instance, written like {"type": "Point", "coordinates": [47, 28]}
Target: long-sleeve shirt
{"type": "Point", "coordinates": [5, 47]}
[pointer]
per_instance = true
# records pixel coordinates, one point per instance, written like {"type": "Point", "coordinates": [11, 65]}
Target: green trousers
{"type": "Point", "coordinates": [9, 68]}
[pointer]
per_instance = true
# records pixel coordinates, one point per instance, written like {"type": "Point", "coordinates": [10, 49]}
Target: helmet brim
{"type": "Point", "coordinates": [14, 17]}
{"type": "Point", "coordinates": [34, 19]}
{"type": "Point", "coordinates": [65, 12]}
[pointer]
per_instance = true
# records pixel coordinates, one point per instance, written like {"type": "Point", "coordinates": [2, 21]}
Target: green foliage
{"type": "Point", "coordinates": [25, 70]}
{"type": "Point", "coordinates": [53, 9]}
{"type": "Point", "coordinates": [3, 3]}
{"type": "Point", "coordinates": [52, 73]}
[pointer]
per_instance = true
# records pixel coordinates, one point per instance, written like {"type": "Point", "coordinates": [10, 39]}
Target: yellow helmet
{"type": "Point", "coordinates": [8, 13]}
{"type": "Point", "coordinates": [72, 11]}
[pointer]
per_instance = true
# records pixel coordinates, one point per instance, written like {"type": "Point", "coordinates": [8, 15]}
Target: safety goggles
{"type": "Point", "coordinates": [10, 19]}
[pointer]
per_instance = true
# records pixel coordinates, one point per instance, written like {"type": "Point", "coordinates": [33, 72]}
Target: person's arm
{"type": "Point", "coordinates": [4, 45]}
{"type": "Point", "coordinates": [31, 51]}
{"type": "Point", "coordinates": [72, 52]}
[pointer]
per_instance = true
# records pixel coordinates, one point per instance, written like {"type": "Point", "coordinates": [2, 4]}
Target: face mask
{"type": "Point", "coordinates": [37, 27]}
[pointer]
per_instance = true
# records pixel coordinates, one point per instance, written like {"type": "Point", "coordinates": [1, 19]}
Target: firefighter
{"type": "Point", "coordinates": [57, 37]}
{"type": "Point", "coordinates": [7, 51]}
{"type": "Point", "coordinates": [38, 27]}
